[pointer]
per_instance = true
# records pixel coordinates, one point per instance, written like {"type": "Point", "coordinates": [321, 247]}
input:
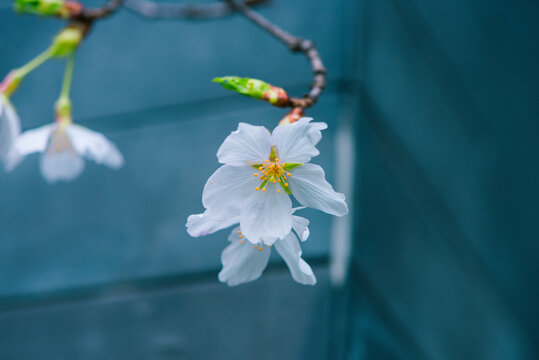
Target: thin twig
{"type": "Point", "coordinates": [295, 44]}
{"type": "Point", "coordinates": [110, 7]}
{"type": "Point", "coordinates": [87, 16]}
{"type": "Point", "coordinates": [155, 10]}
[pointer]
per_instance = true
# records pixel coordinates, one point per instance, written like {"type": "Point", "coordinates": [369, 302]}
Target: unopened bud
{"type": "Point", "coordinates": [294, 115]}
{"type": "Point", "coordinates": [255, 88]}
{"type": "Point", "coordinates": [276, 96]}
{"type": "Point", "coordinates": [42, 7]}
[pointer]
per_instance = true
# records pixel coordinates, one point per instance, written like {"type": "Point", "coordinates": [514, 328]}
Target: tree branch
{"type": "Point", "coordinates": [78, 13]}
{"type": "Point", "coordinates": [155, 10]}
{"type": "Point", "coordinates": [295, 44]}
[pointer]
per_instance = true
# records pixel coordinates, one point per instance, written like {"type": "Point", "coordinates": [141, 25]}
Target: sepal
{"type": "Point", "coordinates": [67, 41]}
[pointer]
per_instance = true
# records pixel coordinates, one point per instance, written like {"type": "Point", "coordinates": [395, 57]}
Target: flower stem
{"type": "Point", "coordinates": [12, 81]}
{"type": "Point", "coordinates": [34, 63]}
{"type": "Point", "coordinates": [68, 76]}
{"type": "Point", "coordinates": [63, 104]}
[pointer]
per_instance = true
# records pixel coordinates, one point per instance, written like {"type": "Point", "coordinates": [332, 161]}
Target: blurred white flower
{"type": "Point", "coordinates": [63, 145]}
{"type": "Point", "coordinates": [10, 127]}
{"type": "Point", "coordinates": [260, 170]}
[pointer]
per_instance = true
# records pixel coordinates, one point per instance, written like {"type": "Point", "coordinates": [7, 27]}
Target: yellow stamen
{"type": "Point", "coordinates": [241, 236]}
{"type": "Point", "coordinates": [264, 189]}
{"type": "Point", "coordinates": [286, 184]}
{"type": "Point", "coordinates": [260, 248]}
{"type": "Point", "coordinates": [276, 159]}
{"type": "Point", "coordinates": [241, 241]}
{"type": "Point", "coordinates": [270, 245]}
{"type": "Point", "coordinates": [257, 188]}
{"type": "Point", "coordinates": [255, 175]}
{"type": "Point", "coordinates": [279, 191]}
{"type": "Point", "coordinates": [266, 161]}
{"type": "Point", "coordinates": [260, 168]}
{"type": "Point", "coordinates": [288, 174]}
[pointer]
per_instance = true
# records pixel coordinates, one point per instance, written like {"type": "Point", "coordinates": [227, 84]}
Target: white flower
{"type": "Point", "coordinates": [243, 262]}
{"type": "Point", "coordinates": [260, 171]}
{"type": "Point", "coordinates": [10, 127]}
{"type": "Point", "coordinates": [63, 145]}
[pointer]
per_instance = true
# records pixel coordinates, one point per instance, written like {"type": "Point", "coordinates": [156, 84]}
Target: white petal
{"type": "Point", "coordinates": [290, 251]}
{"type": "Point", "coordinates": [94, 146]}
{"type": "Point", "coordinates": [315, 132]}
{"type": "Point", "coordinates": [300, 225]}
{"type": "Point", "coordinates": [309, 186]}
{"type": "Point", "coordinates": [227, 189]}
{"type": "Point", "coordinates": [10, 127]}
{"type": "Point", "coordinates": [267, 215]}
{"type": "Point", "coordinates": [242, 263]}
{"type": "Point", "coordinates": [61, 165]}
{"type": "Point", "coordinates": [293, 142]}
{"type": "Point", "coordinates": [249, 144]}
{"type": "Point", "coordinates": [204, 224]}
{"type": "Point", "coordinates": [28, 142]}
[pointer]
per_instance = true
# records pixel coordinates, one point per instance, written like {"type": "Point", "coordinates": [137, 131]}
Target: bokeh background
{"type": "Point", "coordinates": [433, 135]}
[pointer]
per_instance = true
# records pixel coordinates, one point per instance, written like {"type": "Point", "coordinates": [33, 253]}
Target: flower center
{"type": "Point", "coordinates": [274, 171]}
{"type": "Point", "coordinates": [59, 142]}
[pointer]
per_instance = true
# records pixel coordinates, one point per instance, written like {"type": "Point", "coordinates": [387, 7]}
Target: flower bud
{"type": "Point", "coordinates": [294, 115]}
{"type": "Point", "coordinates": [66, 41]}
{"type": "Point", "coordinates": [255, 88]}
{"type": "Point", "coordinates": [42, 7]}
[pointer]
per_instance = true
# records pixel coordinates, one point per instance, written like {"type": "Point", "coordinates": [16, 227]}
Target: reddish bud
{"type": "Point", "coordinates": [276, 96]}
{"type": "Point", "coordinates": [294, 115]}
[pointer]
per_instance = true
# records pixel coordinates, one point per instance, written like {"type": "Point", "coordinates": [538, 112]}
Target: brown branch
{"type": "Point", "coordinates": [295, 44]}
{"type": "Point", "coordinates": [155, 10]}
{"type": "Point", "coordinates": [78, 13]}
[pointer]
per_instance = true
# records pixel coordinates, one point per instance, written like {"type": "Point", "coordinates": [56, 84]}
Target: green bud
{"type": "Point", "coordinates": [66, 42]}
{"type": "Point", "coordinates": [63, 107]}
{"type": "Point", "coordinates": [246, 86]}
{"type": "Point", "coordinates": [42, 7]}
{"type": "Point", "coordinates": [255, 88]}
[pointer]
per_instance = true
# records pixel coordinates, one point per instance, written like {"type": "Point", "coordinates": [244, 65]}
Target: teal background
{"type": "Point", "coordinates": [440, 100]}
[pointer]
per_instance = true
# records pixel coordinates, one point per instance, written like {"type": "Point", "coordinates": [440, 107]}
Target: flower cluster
{"type": "Point", "coordinates": [253, 187]}
{"type": "Point", "coordinates": [62, 144]}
